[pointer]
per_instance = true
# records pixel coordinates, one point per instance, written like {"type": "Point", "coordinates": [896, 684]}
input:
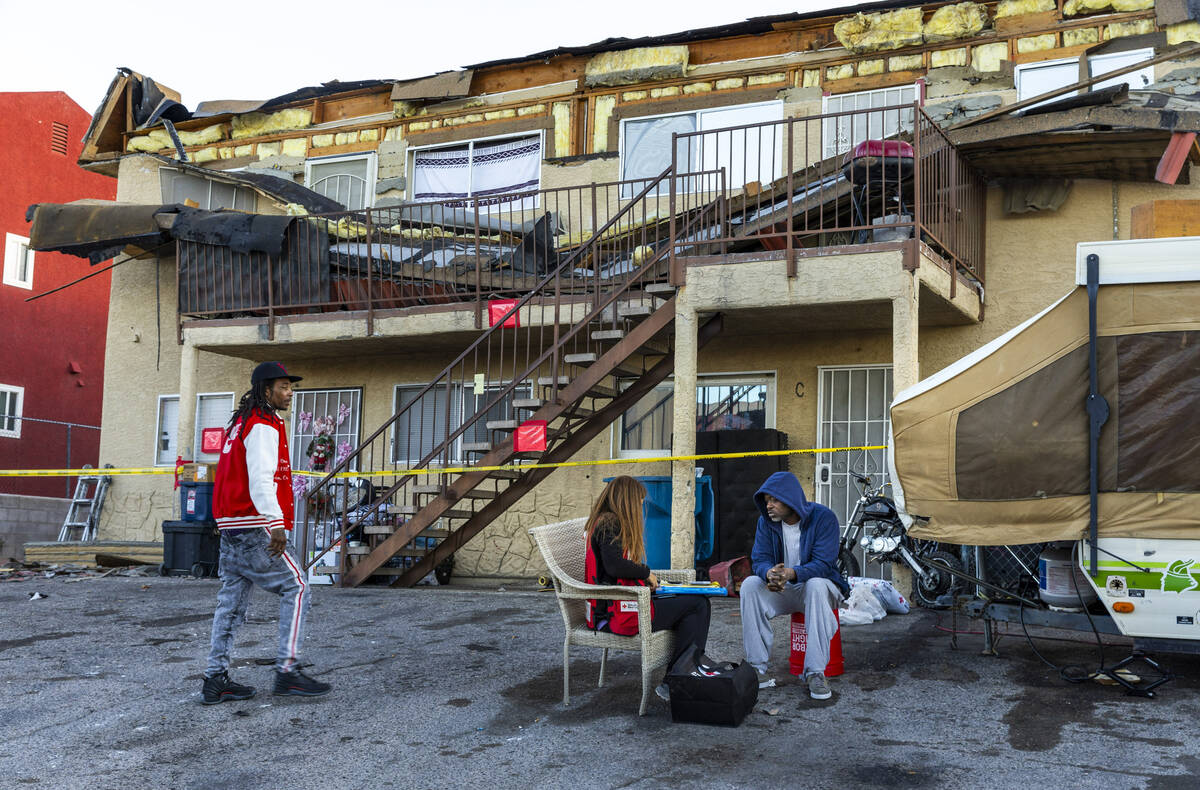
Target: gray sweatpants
{"type": "Point", "coordinates": [817, 598]}
{"type": "Point", "coordinates": [244, 564]}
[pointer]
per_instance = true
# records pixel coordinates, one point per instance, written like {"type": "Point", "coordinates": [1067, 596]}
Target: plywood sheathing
{"type": "Point", "coordinates": [1077, 7]}
{"type": "Point", "coordinates": [632, 66]}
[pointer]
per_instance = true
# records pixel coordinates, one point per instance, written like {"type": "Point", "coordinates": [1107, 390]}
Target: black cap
{"type": "Point", "coordinates": [271, 370]}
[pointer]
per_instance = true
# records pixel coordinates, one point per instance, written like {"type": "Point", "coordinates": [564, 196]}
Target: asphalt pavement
{"type": "Point", "coordinates": [461, 687]}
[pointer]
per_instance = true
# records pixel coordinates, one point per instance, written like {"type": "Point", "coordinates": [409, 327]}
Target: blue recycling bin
{"type": "Point", "coordinates": [656, 515]}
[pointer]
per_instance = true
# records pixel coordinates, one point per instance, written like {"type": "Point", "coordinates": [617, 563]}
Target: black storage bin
{"type": "Point", "coordinates": [190, 547]}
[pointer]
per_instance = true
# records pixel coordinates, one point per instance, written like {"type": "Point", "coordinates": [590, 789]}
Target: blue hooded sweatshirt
{"type": "Point", "coordinates": [820, 535]}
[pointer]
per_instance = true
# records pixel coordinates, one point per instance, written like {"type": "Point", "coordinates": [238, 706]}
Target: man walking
{"type": "Point", "coordinates": [794, 559]}
{"type": "Point", "coordinates": [252, 502]}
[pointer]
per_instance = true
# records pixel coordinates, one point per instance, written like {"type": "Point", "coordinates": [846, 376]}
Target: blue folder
{"type": "Point", "coordinates": [699, 588]}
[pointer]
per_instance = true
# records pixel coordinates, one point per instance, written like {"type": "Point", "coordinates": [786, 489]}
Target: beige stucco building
{"type": "Point", "coordinates": [823, 312]}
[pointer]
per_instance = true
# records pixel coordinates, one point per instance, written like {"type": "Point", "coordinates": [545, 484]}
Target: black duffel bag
{"type": "Point", "coordinates": [709, 692]}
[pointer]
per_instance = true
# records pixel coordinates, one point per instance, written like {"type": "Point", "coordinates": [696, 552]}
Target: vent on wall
{"type": "Point", "coordinates": [58, 138]}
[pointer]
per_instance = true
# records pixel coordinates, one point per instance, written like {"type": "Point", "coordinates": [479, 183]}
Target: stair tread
{"type": "Point", "coordinates": [476, 447]}
{"type": "Point", "coordinates": [634, 310]}
{"type": "Point", "coordinates": [659, 288]}
{"type": "Point", "coordinates": [608, 334]}
{"type": "Point", "coordinates": [479, 493]}
{"type": "Point", "coordinates": [428, 489]}
{"type": "Point", "coordinates": [580, 359]}
{"type": "Point", "coordinates": [546, 381]}
{"type": "Point", "coordinates": [528, 403]}
{"type": "Point", "coordinates": [501, 425]}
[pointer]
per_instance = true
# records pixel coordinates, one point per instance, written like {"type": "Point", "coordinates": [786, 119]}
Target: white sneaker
{"type": "Point", "coordinates": [765, 681]}
{"type": "Point", "coordinates": [663, 691]}
{"type": "Point", "coordinates": [818, 686]}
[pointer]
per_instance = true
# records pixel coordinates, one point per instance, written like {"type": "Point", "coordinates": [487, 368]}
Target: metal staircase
{"type": "Point", "coordinates": [590, 340]}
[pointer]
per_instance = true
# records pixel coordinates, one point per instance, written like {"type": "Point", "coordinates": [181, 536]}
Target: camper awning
{"type": "Point", "coordinates": [994, 449]}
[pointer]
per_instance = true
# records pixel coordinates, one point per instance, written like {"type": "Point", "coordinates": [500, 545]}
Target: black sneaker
{"type": "Point", "coordinates": [219, 688]}
{"type": "Point", "coordinates": [296, 683]}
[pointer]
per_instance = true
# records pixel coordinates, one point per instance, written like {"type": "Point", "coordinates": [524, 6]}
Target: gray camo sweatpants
{"type": "Point", "coordinates": [817, 598]}
{"type": "Point", "coordinates": [244, 564]}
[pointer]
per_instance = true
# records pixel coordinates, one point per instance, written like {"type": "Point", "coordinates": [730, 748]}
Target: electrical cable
{"type": "Point", "coordinates": [1072, 673]}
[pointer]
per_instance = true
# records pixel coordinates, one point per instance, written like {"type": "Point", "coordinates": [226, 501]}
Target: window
{"type": "Point", "coordinates": [424, 426]}
{"type": "Point", "coordinates": [168, 423]}
{"type": "Point", "coordinates": [350, 180]}
{"type": "Point", "coordinates": [180, 187]}
{"type": "Point", "coordinates": [1034, 79]}
{"type": "Point", "coordinates": [853, 405]}
{"type": "Point", "coordinates": [479, 169]}
{"type": "Point", "coordinates": [840, 134]}
{"type": "Point", "coordinates": [18, 261]}
{"type": "Point", "coordinates": [336, 413]}
{"type": "Point", "coordinates": [213, 410]}
{"type": "Point", "coordinates": [727, 402]}
{"type": "Point", "coordinates": [746, 155]}
{"type": "Point", "coordinates": [11, 401]}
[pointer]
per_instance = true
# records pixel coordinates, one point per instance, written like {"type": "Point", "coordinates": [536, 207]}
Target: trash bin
{"type": "Point", "coordinates": [195, 501]}
{"type": "Point", "coordinates": [190, 547]}
{"type": "Point", "coordinates": [656, 516]}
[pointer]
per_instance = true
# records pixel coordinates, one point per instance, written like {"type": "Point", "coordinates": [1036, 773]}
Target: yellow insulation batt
{"type": "Point", "coordinates": [874, 32]}
{"type": "Point", "coordinates": [1077, 7]}
{"type": "Point", "coordinates": [253, 124]}
{"type": "Point", "coordinates": [1123, 29]}
{"type": "Point", "coordinates": [1083, 35]}
{"type": "Point", "coordinates": [948, 57]}
{"type": "Point", "coordinates": [158, 139]}
{"type": "Point", "coordinates": [1008, 8]}
{"type": "Point", "coordinates": [989, 57]}
{"type": "Point", "coordinates": [1184, 31]}
{"type": "Point", "coordinates": [955, 21]}
{"type": "Point", "coordinates": [641, 64]}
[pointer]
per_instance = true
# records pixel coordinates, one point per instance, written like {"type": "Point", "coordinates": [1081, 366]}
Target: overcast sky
{"type": "Point", "coordinates": [218, 49]}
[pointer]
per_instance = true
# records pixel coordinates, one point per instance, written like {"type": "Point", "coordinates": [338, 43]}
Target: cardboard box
{"type": "Point", "coordinates": [198, 473]}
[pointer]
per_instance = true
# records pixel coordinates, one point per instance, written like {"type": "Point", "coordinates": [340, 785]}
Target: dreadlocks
{"type": "Point", "coordinates": [255, 400]}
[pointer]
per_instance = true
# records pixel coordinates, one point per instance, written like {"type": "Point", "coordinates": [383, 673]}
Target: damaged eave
{"type": "Point", "coordinates": [1165, 120]}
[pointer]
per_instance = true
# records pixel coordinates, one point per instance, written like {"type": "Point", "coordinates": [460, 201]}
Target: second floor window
{"type": "Point", "coordinates": [350, 180]}
{"type": "Point", "coordinates": [751, 154]}
{"type": "Point", "coordinates": [180, 187]}
{"type": "Point", "coordinates": [486, 170]}
{"type": "Point", "coordinates": [1034, 79]}
{"type": "Point", "coordinates": [18, 261]}
{"type": "Point", "coordinates": [865, 118]}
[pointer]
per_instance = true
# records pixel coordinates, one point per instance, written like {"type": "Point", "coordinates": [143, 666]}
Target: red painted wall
{"type": "Point", "coordinates": [40, 340]}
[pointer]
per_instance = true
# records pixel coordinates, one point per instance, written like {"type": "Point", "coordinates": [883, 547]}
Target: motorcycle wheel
{"type": "Point", "coordinates": [847, 563]}
{"type": "Point", "coordinates": [926, 591]}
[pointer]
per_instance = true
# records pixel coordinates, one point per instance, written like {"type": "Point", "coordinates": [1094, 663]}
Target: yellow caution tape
{"type": "Point", "coordinates": [453, 469]}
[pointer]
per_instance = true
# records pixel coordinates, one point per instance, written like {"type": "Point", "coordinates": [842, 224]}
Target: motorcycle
{"type": "Point", "coordinates": [876, 526]}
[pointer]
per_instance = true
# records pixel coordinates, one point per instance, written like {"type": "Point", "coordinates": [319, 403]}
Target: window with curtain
{"type": "Point", "coordinates": [490, 171]}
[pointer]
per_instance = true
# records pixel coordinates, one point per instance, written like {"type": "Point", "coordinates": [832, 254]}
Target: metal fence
{"type": "Point", "coordinates": [38, 441]}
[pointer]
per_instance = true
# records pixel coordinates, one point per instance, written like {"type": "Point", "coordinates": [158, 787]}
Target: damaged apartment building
{"type": "Point", "coordinates": [738, 238]}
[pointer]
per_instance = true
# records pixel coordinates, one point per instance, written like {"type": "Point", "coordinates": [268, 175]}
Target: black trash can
{"type": "Point", "coordinates": [190, 547]}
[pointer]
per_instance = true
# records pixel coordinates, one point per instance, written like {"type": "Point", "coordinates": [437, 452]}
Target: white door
{"type": "Point", "coordinates": [852, 405]}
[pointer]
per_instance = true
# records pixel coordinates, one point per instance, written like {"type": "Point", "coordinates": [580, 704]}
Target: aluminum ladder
{"type": "Point", "coordinates": [89, 491]}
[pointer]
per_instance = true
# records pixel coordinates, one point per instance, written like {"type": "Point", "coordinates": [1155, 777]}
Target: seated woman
{"type": "Point", "coordinates": [616, 554]}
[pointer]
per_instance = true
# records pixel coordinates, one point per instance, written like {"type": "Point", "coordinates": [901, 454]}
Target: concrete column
{"type": "Point", "coordinates": [906, 371]}
{"type": "Point", "coordinates": [683, 434]}
{"type": "Point", "coordinates": [189, 360]}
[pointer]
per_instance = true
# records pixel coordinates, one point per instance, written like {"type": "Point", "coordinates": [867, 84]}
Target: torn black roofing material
{"type": "Point", "coordinates": [96, 230]}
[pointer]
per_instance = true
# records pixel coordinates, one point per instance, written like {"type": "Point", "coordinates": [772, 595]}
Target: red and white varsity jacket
{"type": "Point", "coordinates": [254, 476]}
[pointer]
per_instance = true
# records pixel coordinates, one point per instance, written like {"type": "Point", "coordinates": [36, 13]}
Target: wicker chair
{"type": "Point", "coordinates": [563, 546]}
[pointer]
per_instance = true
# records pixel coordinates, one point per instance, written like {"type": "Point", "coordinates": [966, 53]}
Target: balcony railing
{"type": "Point", "coordinates": [847, 178]}
{"type": "Point", "coordinates": [852, 177]}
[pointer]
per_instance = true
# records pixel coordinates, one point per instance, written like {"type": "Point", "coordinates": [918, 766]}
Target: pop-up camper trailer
{"type": "Point", "coordinates": [996, 449]}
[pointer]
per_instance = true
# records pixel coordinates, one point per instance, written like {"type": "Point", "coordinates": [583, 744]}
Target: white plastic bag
{"type": "Point", "coordinates": [862, 607]}
{"type": "Point", "coordinates": [893, 602]}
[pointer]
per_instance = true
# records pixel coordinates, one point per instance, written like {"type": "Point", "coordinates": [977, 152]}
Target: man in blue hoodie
{"type": "Point", "coordinates": [794, 558]}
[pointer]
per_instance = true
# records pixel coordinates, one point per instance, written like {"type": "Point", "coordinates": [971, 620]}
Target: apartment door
{"type": "Point", "coordinates": [852, 407]}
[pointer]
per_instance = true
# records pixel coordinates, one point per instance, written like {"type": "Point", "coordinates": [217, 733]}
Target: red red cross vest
{"type": "Point", "coordinates": [622, 616]}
